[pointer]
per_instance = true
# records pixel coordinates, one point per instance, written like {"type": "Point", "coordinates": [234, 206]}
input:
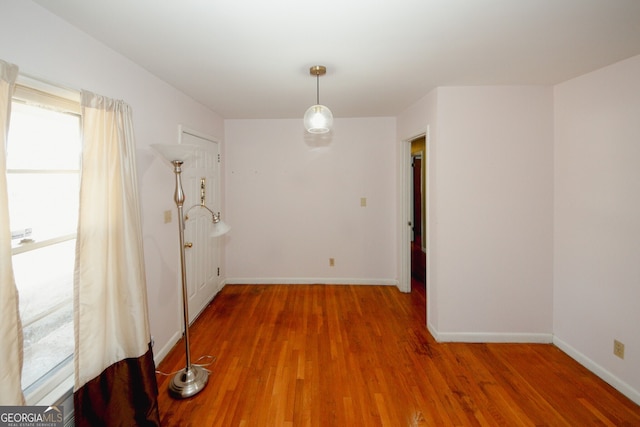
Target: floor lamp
{"type": "Point", "coordinates": [193, 378]}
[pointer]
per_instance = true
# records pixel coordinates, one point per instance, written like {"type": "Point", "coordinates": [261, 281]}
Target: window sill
{"type": "Point", "coordinates": [54, 390]}
{"type": "Point", "coordinates": [58, 395]}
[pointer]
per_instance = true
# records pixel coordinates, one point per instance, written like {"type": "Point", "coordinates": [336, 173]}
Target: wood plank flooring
{"type": "Point", "coordinates": [315, 355]}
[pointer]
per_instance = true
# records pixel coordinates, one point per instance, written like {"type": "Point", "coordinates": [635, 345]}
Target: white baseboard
{"type": "Point", "coordinates": [307, 281]}
{"type": "Point", "coordinates": [600, 371]}
{"type": "Point", "coordinates": [159, 355]}
{"type": "Point", "coordinates": [491, 337]}
{"type": "Point", "coordinates": [433, 331]}
{"type": "Point", "coordinates": [592, 366]}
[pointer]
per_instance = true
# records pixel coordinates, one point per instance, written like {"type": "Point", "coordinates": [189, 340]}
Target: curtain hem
{"type": "Point", "coordinates": [124, 394]}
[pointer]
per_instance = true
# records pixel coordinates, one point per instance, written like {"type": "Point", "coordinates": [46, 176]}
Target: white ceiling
{"type": "Point", "coordinates": [251, 58]}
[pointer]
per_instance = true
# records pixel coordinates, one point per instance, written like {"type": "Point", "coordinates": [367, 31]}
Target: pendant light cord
{"type": "Point", "coordinates": [317, 89]}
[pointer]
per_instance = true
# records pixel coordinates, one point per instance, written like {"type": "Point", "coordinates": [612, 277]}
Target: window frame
{"type": "Point", "coordinates": [57, 385]}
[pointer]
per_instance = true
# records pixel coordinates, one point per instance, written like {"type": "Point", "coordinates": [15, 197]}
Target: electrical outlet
{"type": "Point", "coordinates": [363, 202]}
{"type": "Point", "coordinates": [167, 217]}
{"type": "Point", "coordinates": [618, 349]}
{"type": "Point", "coordinates": [332, 262]}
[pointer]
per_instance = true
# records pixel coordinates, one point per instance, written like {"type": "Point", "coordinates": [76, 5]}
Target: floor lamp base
{"type": "Point", "coordinates": [188, 382]}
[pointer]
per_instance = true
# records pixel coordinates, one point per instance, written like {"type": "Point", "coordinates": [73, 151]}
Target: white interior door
{"type": "Point", "coordinates": [202, 252]}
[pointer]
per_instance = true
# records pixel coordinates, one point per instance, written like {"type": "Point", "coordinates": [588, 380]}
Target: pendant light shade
{"type": "Point", "coordinates": [318, 118]}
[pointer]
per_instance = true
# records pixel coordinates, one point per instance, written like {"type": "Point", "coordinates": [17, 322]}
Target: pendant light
{"type": "Point", "coordinates": [318, 118]}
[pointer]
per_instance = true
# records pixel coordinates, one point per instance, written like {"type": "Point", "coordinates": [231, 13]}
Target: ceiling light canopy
{"type": "Point", "coordinates": [318, 118]}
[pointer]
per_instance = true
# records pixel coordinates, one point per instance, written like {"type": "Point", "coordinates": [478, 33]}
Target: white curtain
{"type": "Point", "coordinates": [111, 314]}
{"type": "Point", "coordinates": [10, 325]}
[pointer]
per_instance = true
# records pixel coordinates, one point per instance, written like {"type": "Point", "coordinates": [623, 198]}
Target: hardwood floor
{"type": "Point", "coordinates": [315, 355]}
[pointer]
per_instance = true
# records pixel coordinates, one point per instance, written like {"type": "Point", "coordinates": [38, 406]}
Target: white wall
{"type": "Point", "coordinates": [44, 46]}
{"type": "Point", "coordinates": [293, 202]}
{"type": "Point", "coordinates": [494, 185]}
{"type": "Point", "coordinates": [597, 221]}
{"type": "Point", "coordinates": [490, 215]}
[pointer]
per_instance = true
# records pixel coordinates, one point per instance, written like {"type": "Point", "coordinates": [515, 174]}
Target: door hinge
{"type": "Point", "coordinates": [218, 158]}
{"type": "Point", "coordinates": [218, 271]}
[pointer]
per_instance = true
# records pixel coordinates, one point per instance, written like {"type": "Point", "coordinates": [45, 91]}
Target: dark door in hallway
{"type": "Point", "coordinates": [418, 260]}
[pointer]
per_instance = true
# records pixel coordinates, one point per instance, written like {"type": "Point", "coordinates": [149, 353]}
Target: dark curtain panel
{"type": "Point", "coordinates": [125, 394]}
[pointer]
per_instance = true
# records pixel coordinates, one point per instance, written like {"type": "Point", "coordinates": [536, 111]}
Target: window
{"type": "Point", "coordinates": [43, 178]}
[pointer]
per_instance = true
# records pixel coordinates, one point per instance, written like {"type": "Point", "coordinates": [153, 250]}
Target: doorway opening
{"type": "Point", "coordinates": [413, 213]}
{"type": "Point", "coordinates": [414, 209]}
{"type": "Point", "coordinates": [418, 210]}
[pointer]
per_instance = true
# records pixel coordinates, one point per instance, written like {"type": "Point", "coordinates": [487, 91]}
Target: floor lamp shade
{"type": "Point", "coordinates": [219, 228]}
{"type": "Point", "coordinates": [179, 152]}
